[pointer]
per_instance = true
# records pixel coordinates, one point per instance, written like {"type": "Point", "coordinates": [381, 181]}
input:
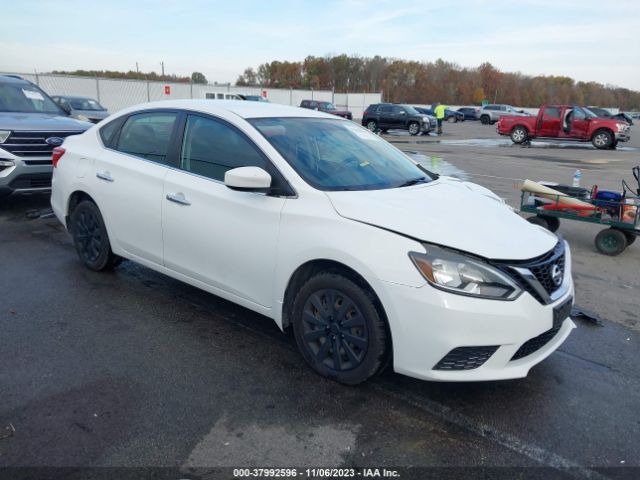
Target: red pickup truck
{"type": "Point", "coordinates": [565, 122]}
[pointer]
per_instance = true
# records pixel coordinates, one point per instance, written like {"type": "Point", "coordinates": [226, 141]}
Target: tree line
{"type": "Point", "coordinates": [407, 81]}
{"type": "Point", "coordinates": [196, 77]}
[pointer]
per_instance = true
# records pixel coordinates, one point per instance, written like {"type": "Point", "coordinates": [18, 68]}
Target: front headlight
{"type": "Point", "coordinates": [84, 118]}
{"type": "Point", "coordinates": [457, 273]}
{"type": "Point", "coordinates": [621, 127]}
{"type": "Point", "coordinates": [4, 134]}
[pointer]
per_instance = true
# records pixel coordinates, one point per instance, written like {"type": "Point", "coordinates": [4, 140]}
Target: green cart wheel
{"type": "Point", "coordinates": [539, 221]}
{"type": "Point", "coordinates": [611, 242]}
{"type": "Point", "coordinates": [631, 237]}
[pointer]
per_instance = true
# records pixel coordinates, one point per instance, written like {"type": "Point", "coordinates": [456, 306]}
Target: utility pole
{"type": "Point", "coordinates": [137, 69]}
{"type": "Point", "coordinates": [162, 64]}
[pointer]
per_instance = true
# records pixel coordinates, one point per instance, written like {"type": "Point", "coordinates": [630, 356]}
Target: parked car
{"type": "Point", "coordinates": [222, 96]}
{"type": "Point", "coordinates": [253, 98]}
{"type": "Point", "coordinates": [326, 107]}
{"type": "Point", "coordinates": [327, 229]}
{"type": "Point", "coordinates": [389, 116]}
{"type": "Point", "coordinates": [83, 108]}
{"type": "Point", "coordinates": [31, 124]}
{"type": "Point", "coordinates": [604, 113]}
{"type": "Point", "coordinates": [490, 114]}
{"type": "Point", "coordinates": [451, 116]}
{"type": "Point", "coordinates": [470, 113]}
{"type": "Point", "coordinates": [566, 122]}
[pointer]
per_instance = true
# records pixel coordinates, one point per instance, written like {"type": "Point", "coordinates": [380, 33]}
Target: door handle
{"type": "Point", "coordinates": [104, 176]}
{"type": "Point", "coordinates": [178, 198]}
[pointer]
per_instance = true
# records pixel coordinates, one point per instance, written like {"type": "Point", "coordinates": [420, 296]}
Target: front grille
{"type": "Point", "coordinates": [536, 343]}
{"type": "Point", "coordinates": [465, 358]}
{"type": "Point", "coordinates": [541, 268]}
{"type": "Point", "coordinates": [31, 180]}
{"type": "Point", "coordinates": [32, 144]}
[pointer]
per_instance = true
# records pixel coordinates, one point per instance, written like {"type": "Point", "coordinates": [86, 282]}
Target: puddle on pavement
{"type": "Point", "coordinates": [438, 165]}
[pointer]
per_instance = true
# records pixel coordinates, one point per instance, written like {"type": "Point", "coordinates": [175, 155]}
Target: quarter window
{"type": "Point", "coordinates": [552, 112]}
{"type": "Point", "coordinates": [211, 147]}
{"type": "Point", "coordinates": [147, 135]}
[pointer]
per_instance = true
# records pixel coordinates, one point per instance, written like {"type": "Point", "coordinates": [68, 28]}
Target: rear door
{"type": "Point", "coordinates": [128, 182]}
{"type": "Point", "coordinates": [549, 122]}
{"type": "Point", "coordinates": [386, 117]}
{"type": "Point", "coordinates": [221, 237]}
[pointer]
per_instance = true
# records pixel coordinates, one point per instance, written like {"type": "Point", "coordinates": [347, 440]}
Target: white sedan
{"type": "Point", "coordinates": [325, 227]}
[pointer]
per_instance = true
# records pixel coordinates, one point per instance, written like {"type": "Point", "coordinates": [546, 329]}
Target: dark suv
{"type": "Point", "coordinates": [388, 116]}
{"type": "Point", "coordinates": [31, 125]}
{"type": "Point", "coordinates": [326, 107]}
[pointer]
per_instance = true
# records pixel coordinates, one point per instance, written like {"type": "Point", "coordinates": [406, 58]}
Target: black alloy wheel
{"type": "Point", "coordinates": [338, 329]}
{"type": "Point", "coordinates": [90, 237]}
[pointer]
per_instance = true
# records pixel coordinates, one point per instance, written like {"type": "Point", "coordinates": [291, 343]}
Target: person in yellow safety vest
{"type": "Point", "coordinates": [439, 113]}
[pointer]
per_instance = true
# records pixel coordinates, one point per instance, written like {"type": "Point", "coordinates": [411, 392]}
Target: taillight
{"type": "Point", "coordinates": [57, 155]}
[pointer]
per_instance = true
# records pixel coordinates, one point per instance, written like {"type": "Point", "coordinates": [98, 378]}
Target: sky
{"type": "Point", "coordinates": [589, 40]}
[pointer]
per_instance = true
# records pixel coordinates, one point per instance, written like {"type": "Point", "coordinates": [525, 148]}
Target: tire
{"type": "Point", "coordinates": [539, 221]}
{"type": "Point", "coordinates": [321, 309]}
{"type": "Point", "coordinates": [452, 119]}
{"type": "Point", "coordinates": [519, 135]}
{"type": "Point", "coordinates": [90, 238]}
{"type": "Point", "coordinates": [485, 120]}
{"type": "Point", "coordinates": [602, 139]}
{"type": "Point", "coordinates": [553, 223]}
{"type": "Point", "coordinates": [372, 125]}
{"type": "Point", "coordinates": [414, 128]}
{"type": "Point", "coordinates": [611, 242]}
{"type": "Point", "coordinates": [630, 237]}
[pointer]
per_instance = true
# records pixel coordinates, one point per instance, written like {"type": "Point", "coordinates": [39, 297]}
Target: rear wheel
{"type": "Point", "coordinates": [611, 242]}
{"type": "Point", "coordinates": [519, 135]}
{"type": "Point", "coordinates": [414, 128]}
{"type": "Point", "coordinates": [338, 329]}
{"type": "Point", "coordinates": [372, 125]}
{"type": "Point", "coordinates": [602, 139]}
{"type": "Point", "coordinates": [90, 237]}
{"type": "Point", "coordinates": [552, 222]}
{"type": "Point", "coordinates": [452, 119]}
{"type": "Point", "coordinates": [485, 120]}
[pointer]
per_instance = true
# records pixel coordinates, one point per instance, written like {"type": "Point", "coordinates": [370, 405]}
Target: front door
{"type": "Point", "coordinates": [213, 234]}
{"type": "Point", "coordinates": [579, 124]}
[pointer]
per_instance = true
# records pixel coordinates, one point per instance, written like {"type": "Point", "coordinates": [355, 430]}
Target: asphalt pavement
{"type": "Point", "coordinates": [132, 369]}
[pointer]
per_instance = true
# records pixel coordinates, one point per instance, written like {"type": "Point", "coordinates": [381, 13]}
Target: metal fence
{"type": "Point", "coordinates": [117, 94]}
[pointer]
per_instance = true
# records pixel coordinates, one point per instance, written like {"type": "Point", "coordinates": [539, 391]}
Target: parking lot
{"type": "Point", "coordinates": [135, 369]}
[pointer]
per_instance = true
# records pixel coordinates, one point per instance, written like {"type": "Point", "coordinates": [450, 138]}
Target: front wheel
{"type": "Point", "coordinates": [611, 242]}
{"type": "Point", "coordinates": [90, 237]}
{"type": "Point", "coordinates": [414, 128]}
{"type": "Point", "coordinates": [539, 221]}
{"type": "Point", "coordinates": [602, 139]}
{"type": "Point", "coordinates": [372, 125]}
{"type": "Point", "coordinates": [519, 135]}
{"type": "Point", "coordinates": [484, 119]}
{"type": "Point", "coordinates": [338, 329]}
{"type": "Point", "coordinates": [452, 119]}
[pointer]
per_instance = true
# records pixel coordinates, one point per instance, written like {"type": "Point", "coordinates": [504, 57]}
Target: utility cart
{"type": "Point", "coordinates": [619, 212]}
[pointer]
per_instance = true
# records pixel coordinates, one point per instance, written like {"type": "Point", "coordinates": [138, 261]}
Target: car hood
{"type": "Point", "coordinates": [40, 121]}
{"type": "Point", "coordinates": [451, 213]}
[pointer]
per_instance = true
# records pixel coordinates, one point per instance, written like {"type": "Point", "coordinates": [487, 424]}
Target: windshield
{"type": "Point", "coordinates": [26, 98]}
{"type": "Point", "coordinates": [410, 110]}
{"type": "Point", "coordinates": [85, 104]}
{"type": "Point", "coordinates": [339, 155]}
{"type": "Point", "coordinates": [588, 112]}
{"type": "Point", "coordinates": [328, 106]}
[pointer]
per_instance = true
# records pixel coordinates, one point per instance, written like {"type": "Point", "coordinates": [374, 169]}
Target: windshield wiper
{"type": "Point", "coordinates": [415, 181]}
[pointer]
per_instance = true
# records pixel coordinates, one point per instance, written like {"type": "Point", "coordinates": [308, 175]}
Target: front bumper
{"type": "Point", "coordinates": [429, 324]}
{"type": "Point", "coordinates": [26, 175]}
{"type": "Point", "coordinates": [624, 136]}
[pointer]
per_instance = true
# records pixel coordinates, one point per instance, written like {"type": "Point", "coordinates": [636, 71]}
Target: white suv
{"type": "Point", "coordinates": [325, 227]}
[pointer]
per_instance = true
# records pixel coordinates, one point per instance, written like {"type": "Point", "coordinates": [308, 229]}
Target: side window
{"type": "Point", "coordinates": [579, 114]}
{"type": "Point", "coordinates": [384, 109]}
{"type": "Point", "coordinates": [220, 96]}
{"type": "Point", "coordinates": [211, 147]}
{"type": "Point", "coordinates": [552, 112]}
{"type": "Point", "coordinates": [109, 132]}
{"type": "Point", "coordinates": [147, 135]}
{"type": "Point", "coordinates": [397, 109]}
{"type": "Point", "coordinates": [304, 104]}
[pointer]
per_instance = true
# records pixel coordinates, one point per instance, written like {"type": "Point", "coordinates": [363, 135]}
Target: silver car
{"type": "Point", "coordinates": [83, 108]}
{"type": "Point", "coordinates": [490, 114]}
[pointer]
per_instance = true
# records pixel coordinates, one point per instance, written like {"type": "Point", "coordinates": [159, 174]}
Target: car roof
{"type": "Point", "coordinates": [241, 108]}
{"type": "Point", "coordinates": [14, 79]}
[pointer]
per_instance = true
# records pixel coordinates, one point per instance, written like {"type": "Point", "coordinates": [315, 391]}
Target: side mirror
{"type": "Point", "coordinates": [66, 108]}
{"type": "Point", "coordinates": [402, 112]}
{"type": "Point", "coordinates": [248, 179]}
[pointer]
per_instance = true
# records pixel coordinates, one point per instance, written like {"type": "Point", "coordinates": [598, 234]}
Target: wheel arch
{"type": "Point", "coordinates": [321, 265]}
{"type": "Point", "coordinates": [603, 129]}
{"type": "Point", "coordinates": [74, 199]}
